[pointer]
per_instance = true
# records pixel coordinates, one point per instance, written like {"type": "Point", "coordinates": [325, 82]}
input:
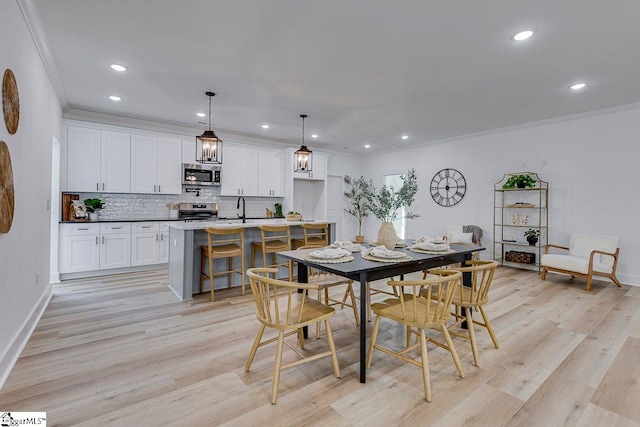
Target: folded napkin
{"type": "Point", "coordinates": [430, 246]}
{"type": "Point", "coordinates": [428, 239]}
{"type": "Point", "coordinates": [330, 253]}
{"type": "Point", "coordinates": [346, 244]}
{"type": "Point", "coordinates": [383, 252]}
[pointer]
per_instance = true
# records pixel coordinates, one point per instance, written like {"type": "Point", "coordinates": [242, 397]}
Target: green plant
{"type": "Point", "coordinates": [93, 205]}
{"type": "Point", "coordinates": [531, 233]}
{"type": "Point", "coordinates": [293, 213]}
{"type": "Point", "coordinates": [519, 181]}
{"type": "Point", "coordinates": [356, 196]}
{"type": "Point", "coordinates": [386, 202]}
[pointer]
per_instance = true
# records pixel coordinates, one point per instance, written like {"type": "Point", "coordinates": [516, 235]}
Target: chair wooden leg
{"type": "Point", "coordinates": [276, 367]}
{"type": "Point", "coordinates": [264, 261]}
{"type": "Point", "coordinates": [425, 366]}
{"type": "Point", "coordinates": [353, 303]}
{"type": "Point", "coordinates": [408, 333]}
{"type": "Point", "coordinates": [487, 323]}
{"type": "Point", "coordinates": [543, 275]}
{"type": "Point", "coordinates": [374, 336]}
{"type": "Point", "coordinates": [242, 270]}
{"type": "Point", "coordinates": [332, 347]}
{"type": "Point", "coordinates": [290, 271]}
{"type": "Point", "coordinates": [452, 350]}
{"type": "Point", "coordinates": [318, 326]}
{"type": "Point", "coordinates": [203, 258]}
{"type": "Point", "coordinates": [472, 337]}
{"type": "Point", "coordinates": [253, 257]}
{"type": "Point", "coordinates": [301, 338]}
{"type": "Point", "coordinates": [211, 277]}
{"type": "Point", "coordinates": [589, 282]}
{"type": "Point", "coordinates": [254, 348]}
{"type": "Point", "coordinates": [615, 280]}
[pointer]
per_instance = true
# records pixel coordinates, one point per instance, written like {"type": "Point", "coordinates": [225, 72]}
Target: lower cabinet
{"type": "Point", "coordinates": [149, 243]}
{"type": "Point", "coordinates": [101, 246]}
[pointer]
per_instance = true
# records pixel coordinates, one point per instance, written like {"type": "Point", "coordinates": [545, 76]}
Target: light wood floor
{"type": "Point", "coordinates": [122, 351]}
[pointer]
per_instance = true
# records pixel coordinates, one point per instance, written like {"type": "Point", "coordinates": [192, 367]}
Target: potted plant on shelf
{"type": "Point", "coordinates": [93, 206]}
{"type": "Point", "coordinates": [532, 236]}
{"type": "Point", "coordinates": [519, 181]}
{"type": "Point", "coordinates": [386, 203]}
{"type": "Point", "coordinates": [355, 194]}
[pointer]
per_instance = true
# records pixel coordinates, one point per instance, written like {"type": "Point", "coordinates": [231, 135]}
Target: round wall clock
{"type": "Point", "coordinates": [448, 187]}
{"type": "Point", "coordinates": [10, 101]}
{"type": "Point", "coordinates": [6, 189]}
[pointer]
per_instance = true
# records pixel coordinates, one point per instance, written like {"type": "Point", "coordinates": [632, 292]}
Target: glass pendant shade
{"type": "Point", "coordinates": [208, 148]}
{"type": "Point", "coordinates": [208, 145]}
{"type": "Point", "coordinates": [303, 158]}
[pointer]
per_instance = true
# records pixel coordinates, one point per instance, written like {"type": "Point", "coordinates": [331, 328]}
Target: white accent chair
{"type": "Point", "coordinates": [589, 255]}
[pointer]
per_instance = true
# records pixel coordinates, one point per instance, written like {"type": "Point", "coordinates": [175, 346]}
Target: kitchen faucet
{"type": "Point", "coordinates": [244, 215]}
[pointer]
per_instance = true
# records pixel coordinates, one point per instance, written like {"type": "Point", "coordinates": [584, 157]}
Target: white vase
{"type": "Point", "coordinates": [387, 235]}
{"type": "Point", "coordinates": [93, 216]}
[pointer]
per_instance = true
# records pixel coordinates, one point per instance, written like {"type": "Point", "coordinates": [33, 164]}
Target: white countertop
{"type": "Point", "coordinates": [251, 223]}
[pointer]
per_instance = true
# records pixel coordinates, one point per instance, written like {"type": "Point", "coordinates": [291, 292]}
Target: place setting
{"type": "Point", "coordinates": [347, 245]}
{"type": "Point", "coordinates": [431, 246]}
{"type": "Point", "coordinates": [382, 254]}
{"type": "Point", "coordinates": [329, 255]}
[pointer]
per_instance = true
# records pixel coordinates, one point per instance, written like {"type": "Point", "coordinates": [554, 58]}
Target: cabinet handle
{"type": "Point", "coordinates": [97, 186]}
{"type": "Point", "coordinates": [83, 229]}
{"type": "Point", "coordinates": [162, 237]}
{"type": "Point", "coordinates": [103, 240]}
{"type": "Point", "coordinates": [103, 186]}
{"type": "Point", "coordinates": [156, 237]}
{"type": "Point", "coordinates": [154, 188]}
{"type": "Point", "coordinates": [145, 226]}
{"type": "Point", "coordinates": [159, 188]}
{"type": "Point", "coordinates": [116, 228]}
{"type": "Point", "coordinates": [96, 240]}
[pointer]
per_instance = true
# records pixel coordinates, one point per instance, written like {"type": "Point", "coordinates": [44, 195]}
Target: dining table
{"type": "Point", "coordinates": [363, 270]}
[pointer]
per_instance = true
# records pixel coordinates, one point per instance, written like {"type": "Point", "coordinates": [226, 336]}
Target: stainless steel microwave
{"type": "Point", "coordinates": [195, 175]}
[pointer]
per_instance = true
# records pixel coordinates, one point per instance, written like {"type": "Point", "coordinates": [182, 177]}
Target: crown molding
{"type": "Point", "coordinates": [34, 23]}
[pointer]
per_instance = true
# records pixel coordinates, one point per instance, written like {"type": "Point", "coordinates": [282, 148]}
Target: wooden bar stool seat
{"type": "Point", "coordinates": [225, 246]}
{"type": "Point", "coordinates": [275, 238]}
{"type": "Point", "coordinates": [315, 234]}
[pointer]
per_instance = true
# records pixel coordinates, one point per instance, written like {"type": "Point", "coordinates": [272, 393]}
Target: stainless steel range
{"type": "Point", "coordinates": [191, 212]}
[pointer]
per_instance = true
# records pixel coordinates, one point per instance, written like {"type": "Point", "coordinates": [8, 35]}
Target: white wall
{"type": "Point", "coordinates": [591, 163]}
{"type": "Point", "coordinates": [25, 249]}
{"type": "Point", "coordinates": [339, 166]}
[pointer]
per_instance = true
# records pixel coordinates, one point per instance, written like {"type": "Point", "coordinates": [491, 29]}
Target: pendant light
{"type": "Point", "coordinates": [208, 145]}
{"type": "Point", "coordinates": [303, 158]}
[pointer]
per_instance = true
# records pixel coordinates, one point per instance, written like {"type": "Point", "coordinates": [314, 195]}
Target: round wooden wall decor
{"type": "Point", "coordinates": [6, 189]}
{"type": "Point", "coordinates": [10, 101]}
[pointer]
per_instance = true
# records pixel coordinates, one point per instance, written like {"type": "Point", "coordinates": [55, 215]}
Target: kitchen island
{"type": "Point", "coordinates": [186, 239]}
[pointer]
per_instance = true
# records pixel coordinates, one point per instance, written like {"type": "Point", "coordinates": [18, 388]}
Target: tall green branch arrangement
{"type": "Point", "coordinates": [386, 202]}
{"type": "Point", "coordinates": [355, 195]}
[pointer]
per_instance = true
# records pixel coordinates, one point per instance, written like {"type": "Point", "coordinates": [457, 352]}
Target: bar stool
{"type": "Point", "coordinates": [315, 234]}
{"type": "Point", "coordinates": [274, 238]}
{"type": "Point", "coordinates": [229, 247]}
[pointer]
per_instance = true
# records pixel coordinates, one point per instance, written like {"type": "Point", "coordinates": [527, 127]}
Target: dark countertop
{"type": "Point", "coordinates": [151, 219]}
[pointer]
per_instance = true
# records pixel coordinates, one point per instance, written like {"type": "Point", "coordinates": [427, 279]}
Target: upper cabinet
{"type": "Point", "coordinates": [319, 172]}
{"type": "Point", "coordinates": [189, 151]}
{"type": "Point", "coordinates": [239, 171]}
{"type": "Point", "coordinates": [155, 165]}
{"type": "Point", "coordinates": [270, 176]}
{"type": "Point", "coordinates": [97, 160]}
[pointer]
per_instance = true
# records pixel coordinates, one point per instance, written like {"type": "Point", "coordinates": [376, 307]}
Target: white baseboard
{"type": "Point", "coordinates": [10, 357]}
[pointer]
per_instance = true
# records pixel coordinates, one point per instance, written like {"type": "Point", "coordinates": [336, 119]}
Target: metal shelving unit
{"type": "Point", "coordinates": [515, 211]}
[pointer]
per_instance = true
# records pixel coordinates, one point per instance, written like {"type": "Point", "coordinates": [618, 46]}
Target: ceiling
{"type": "Point", "coordinates": [365, 71]}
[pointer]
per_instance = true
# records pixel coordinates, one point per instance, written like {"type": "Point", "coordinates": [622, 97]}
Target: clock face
{"type": "Point", "coordinates": [448, 187]}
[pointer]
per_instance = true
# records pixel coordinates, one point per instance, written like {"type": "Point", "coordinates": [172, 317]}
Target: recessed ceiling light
{"type": "Point", "coordinates": [265, 126]}
{"type": "Point", "coordinates": [577, 86]}
{"type": "Point", "coordinates": [522, 35]}
{"type": "Point", "coordinates": [315, 135]}
{"type": "Point", "coordinates": [405, 136]}
{"type": "Point", "coordinates": [115, 98]}
{"type": "Point", "coordinates": [201, 114]}
{"type": "Point", "coordinates": [118, 67]}
{"type": "Point", "coordinates": [367, 146]}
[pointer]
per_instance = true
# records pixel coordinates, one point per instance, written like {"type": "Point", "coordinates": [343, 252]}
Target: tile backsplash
{"type": "Point", "coordinates": [154, 206]}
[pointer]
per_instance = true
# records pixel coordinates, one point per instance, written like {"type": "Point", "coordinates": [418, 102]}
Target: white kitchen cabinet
{"type": "Point", "coordinates": [189, 151]}
{"type": "Point", "coordinates": [270, 175]}
{"type": "Point", "coordinates": [155, 165]}
{"type": "Point", "coordinates": [319, 171]}
{"type": "Point", "coordinates": [239, 171]}
{"type": "Point", "coordinates": [149, 243]}
{"type": "Point", "coordinates": [97, 161]}
{"type": "Point", "coordinates": [88, 247]}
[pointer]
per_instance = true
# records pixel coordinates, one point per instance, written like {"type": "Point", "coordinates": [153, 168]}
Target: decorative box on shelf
{"type": "Point", "coordinates": [521, 257]}
{"type": "Point", "coordinates": [293, 217]}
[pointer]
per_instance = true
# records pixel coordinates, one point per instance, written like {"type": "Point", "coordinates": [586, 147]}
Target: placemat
{"type": "Point", "coordinates": [348, 258]}
{"type": "Point", "coordinates": [423, 251]}
{"type": "Point", "coordinates": [375, 258]}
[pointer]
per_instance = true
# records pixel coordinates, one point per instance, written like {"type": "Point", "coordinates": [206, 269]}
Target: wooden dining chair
{"type": "Point", "coordinates": [325, 280]}
{"type": "Point", "coordinates": [281, 307]}
{"type": "Point", "coordinates": [316, 234]}
{"type": "Point", "coordinates": [473, 297]}
{"type": "Point", "coordinates": [418, 310]}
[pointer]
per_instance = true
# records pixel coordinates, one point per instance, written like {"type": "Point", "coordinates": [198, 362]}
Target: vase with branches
{"type": "Point", "coordinates": [355, 194]}
{"type": "Point", "coordinates": [386, 203]}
